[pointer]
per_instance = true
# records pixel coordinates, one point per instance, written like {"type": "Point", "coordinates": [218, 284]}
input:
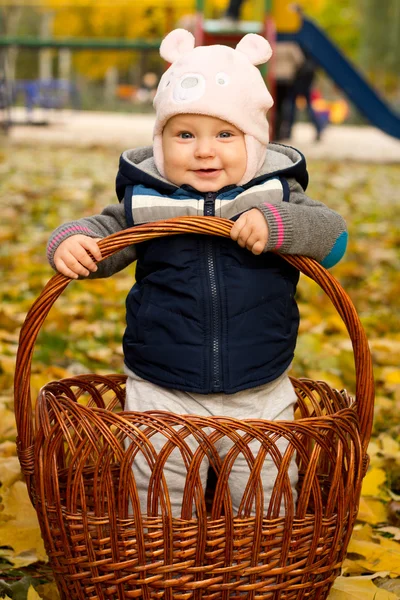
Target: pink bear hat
{"type": "Point", "coordinates": [217, 81]}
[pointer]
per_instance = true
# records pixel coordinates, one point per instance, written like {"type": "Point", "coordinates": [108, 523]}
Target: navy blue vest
{"type": "Point", "coordinates": [208, 316]}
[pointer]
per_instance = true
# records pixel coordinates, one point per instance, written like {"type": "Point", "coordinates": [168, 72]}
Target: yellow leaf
{"type": "Point", "coordinates": [379, 554]}
{"type": "Point", "coordinates": [8, 448]}
{"type": "Point", "coordinates": [385, 351]}
{"type": "Point", "coordinates": [32, 594]}
{"type": "Point", "coordinates": [19, 526]}
{"type": "Point", "coordinates": [48, 591]}
{"type": "Point", "coordinates": [372, 482]}
{"type": "Point", "coordinates": [334, 324]}
{"type": "Point", "coordinates": [7, 364]}
{"type": "Point", "coordinates": [101, 354]}
{"type": "Point", "coordinates": [10, 470]}
{"type": "Point", "coordinates": [8, 427]}
{"type": "Point", "coordinates": [352, 567]}
{"type": "Point", "coordinates": [375, 454]}
{"type": "Point", "coordinates": [389, 445]}
{"type": "Point", "coordinates": [372, 510]}
{"type": "Point", "coordinates": [354, 588]}
{"type": "Point", "coordinates": [44, 376]}
{"type": "Point", "coordinates": [363, 532]}
{"type": "Point", "coordinates": [391, 375]}
{"type": "Point", "coordinates": [8, 318]}
{"type": "Point", "coordinates": [7, 336]}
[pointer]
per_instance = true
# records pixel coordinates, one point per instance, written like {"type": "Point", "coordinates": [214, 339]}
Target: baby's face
{"type": "Point", "coordinates": [203, 152]}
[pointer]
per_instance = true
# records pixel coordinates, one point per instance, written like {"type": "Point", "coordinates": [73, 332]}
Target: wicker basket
{"type": "Point", "coordinates": [79, 475]}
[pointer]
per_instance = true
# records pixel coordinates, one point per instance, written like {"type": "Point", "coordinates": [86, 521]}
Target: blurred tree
{"type": "Point", "coordinates": [367, 31]}
{"type": "Point", "coordinates": [145, 20]}
{"type": "Point", "coordinates": [10, 17]}
{"type": "Point", "coordinates": [338, 18]}
{"type": "Point", "coordinates": [380, 41]}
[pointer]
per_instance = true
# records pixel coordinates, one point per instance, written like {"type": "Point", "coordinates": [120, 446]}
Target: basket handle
{"type": "Point", "coordinates": [180, 225]}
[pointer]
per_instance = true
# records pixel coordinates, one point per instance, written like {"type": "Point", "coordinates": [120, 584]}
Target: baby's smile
{"type": "Point", "coordinates": [207, 172]}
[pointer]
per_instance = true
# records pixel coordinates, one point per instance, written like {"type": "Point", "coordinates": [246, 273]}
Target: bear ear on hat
{"type": "Point", "coordinates": [176, 44]}
{"type": "Point", "coordinates": [256, 48]}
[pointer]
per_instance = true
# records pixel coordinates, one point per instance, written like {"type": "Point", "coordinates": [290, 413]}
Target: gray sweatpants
{"type": "Point", "coordinates": [273, 401]}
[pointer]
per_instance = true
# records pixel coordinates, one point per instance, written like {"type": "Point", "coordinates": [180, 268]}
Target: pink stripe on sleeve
{"type": "Point", "coordinates": [76, 230]}
{"type": "Point", "coordinates": [279, 223]}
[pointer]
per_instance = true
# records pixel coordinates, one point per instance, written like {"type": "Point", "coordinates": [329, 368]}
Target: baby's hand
{"type": "Point", "coordinates": [72, 259]}
{"type": "Point", "coordinates": [251, 231]}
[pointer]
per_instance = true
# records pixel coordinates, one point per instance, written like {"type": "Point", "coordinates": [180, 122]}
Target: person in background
{"type": "Point", "coordinates": [303, 88]}
{"type": "Point", "coordinates": [287, 62]}
{"type": "Point", "coordinates": [148, 88]}
{"type": "Point", "coordinates": [233, 10]}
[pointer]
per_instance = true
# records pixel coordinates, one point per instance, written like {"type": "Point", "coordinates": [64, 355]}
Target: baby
{"type": "Point", "coordinates": [211, 322]}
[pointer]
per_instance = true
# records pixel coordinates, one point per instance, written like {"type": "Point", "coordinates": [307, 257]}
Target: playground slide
{"type": "Point", "coordinates": [311, 38]}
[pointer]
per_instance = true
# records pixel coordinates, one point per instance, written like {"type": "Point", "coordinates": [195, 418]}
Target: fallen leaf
{"type": "Point", "coordinates": [19, 525]}
{"type": "Point", "coordinates": [354, 588]}
{"type": "Point", "coordinates": [390, 446]}
{"type": "Point", "coordinates": [48, 591]}
{"type": "Point", "coordinates": [376, 554]}
{"type": "Point", "coordinates": [32, 594]}
{"type": "Point", "coordinates": [10, 471]}
{"type": "Point", "coordinates": [373, 481]}
{"type": "Point", "coordinates": [8, 449]}
{"type": "Point", "coordinates": [372, 511]}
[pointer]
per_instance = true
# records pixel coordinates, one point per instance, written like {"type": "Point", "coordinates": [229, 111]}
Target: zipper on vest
{"type": "Point", "coordinates": [209, 211]}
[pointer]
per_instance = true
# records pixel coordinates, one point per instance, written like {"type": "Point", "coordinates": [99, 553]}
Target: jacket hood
{"type": "Point", "coordinates": [137, 166]}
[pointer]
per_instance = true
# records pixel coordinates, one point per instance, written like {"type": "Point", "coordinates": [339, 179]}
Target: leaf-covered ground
{"type": "Point", "coordinates": [39, 188]}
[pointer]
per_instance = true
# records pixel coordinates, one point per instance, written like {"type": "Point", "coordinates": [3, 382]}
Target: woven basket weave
{"type": "Point", "coordinates": [78, 468]}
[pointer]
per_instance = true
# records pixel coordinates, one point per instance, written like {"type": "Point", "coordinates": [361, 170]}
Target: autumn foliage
{"type": "Point", "coordinates": [39, 188]}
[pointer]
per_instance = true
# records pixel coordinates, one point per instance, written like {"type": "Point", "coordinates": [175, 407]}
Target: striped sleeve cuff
{"type": "Point", "coordinates": [62, 234]}
{"type": "Point", "coordinates": [279, 226]}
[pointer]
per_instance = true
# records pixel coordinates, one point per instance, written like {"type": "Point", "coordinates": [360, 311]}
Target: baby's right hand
{"type": "Point", "coordinates": [72, 256]}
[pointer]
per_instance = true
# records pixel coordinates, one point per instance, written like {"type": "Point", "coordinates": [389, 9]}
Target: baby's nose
{"type": "Point", "coordinates": [204, 148]}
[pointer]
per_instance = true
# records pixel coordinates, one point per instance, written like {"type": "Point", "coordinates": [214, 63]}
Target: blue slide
{"type": "Point", "coordinates": [313, 40]}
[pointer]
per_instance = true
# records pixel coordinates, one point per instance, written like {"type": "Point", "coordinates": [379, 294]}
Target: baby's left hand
{"type": "Point", "coordinates": [251, 231]}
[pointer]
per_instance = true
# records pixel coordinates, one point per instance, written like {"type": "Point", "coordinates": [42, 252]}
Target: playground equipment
{"type": "Point", "coordinates": [277, 20]}
{"type": "Point", "coordinates": [77, 454]}
{"type": "Point", "coordinates": [282, 23]}
{"type": "Point", "coordinates": [345, 75]}
{"type": "Point", "coordinates": [5, 95]}
{"type": "Point", "coordinates": [52, 93]}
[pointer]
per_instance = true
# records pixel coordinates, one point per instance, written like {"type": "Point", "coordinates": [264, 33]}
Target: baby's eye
{"type": "Point", "coordinates": [185, 135]}
{"type": "Point", "coordinates": [225, 134]}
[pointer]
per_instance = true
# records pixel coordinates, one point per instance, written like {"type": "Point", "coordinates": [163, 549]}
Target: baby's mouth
{"type": "Point", "coordinates": [207, 171]}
